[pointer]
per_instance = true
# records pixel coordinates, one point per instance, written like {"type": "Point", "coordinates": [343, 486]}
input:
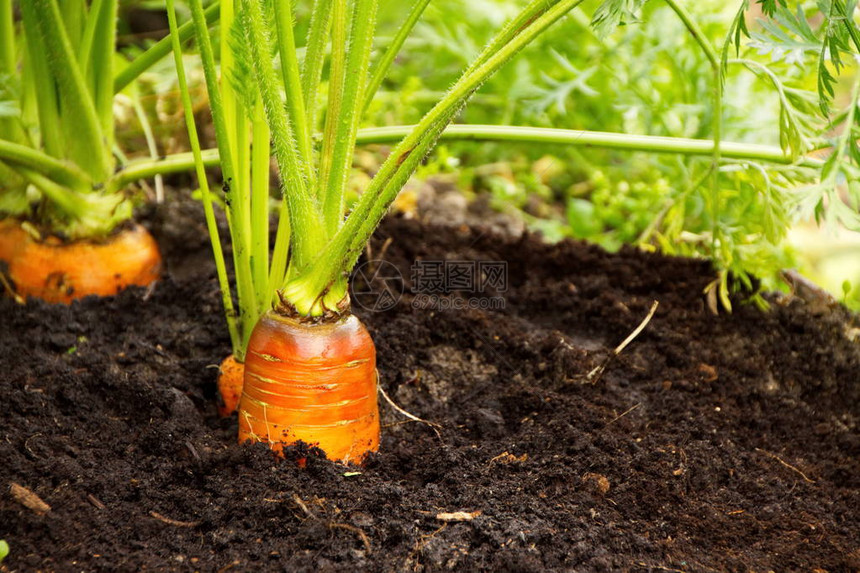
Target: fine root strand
{"type": "Point", "coordinates": [786, 464]}
{"type": "Point", "coordinates": [594, 376]}
{"type": "Point", "coordinates": [174, 522]}
{"type": "Point", "coordinates": [433, 425]}
{"type": "Point", "coordinates": [361, 534]}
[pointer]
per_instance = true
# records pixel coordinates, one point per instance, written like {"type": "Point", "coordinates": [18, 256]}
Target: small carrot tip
{"type": "Point", "coordinates": [231, 375]}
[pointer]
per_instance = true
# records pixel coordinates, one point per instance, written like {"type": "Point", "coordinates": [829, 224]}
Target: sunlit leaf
{"type": "Point", "coordinates": [613, 13]}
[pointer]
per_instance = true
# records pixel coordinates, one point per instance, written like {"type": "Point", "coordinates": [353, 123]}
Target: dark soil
{"type": "Point", "coordinates": [712, 443]}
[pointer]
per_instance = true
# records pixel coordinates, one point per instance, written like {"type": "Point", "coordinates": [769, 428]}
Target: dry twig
{"type": "Point", "coordinates": [618, 417]}
{"type": "Point", "coordinates": [302, 505]}
{"type": "Point", "coordinates": [508, 458]}
{"type": "Point", "coordinates": [174, 522]}
{"type": "Point", "coordinates": [96, 502]}
{"type": "Point", "coordinates": [28, 499]}
{"type": "Point", "coordinates": [458, 516]}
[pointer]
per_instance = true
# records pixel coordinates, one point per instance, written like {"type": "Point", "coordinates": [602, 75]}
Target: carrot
{"type": "Point", "coordinates": [311, 382]}
{"type": "Point", "coordinates": [231, 376]}
{"type": "Point", "coordinates": [312, 378]}
{"type": "Point", "coordinates": [58, 271]}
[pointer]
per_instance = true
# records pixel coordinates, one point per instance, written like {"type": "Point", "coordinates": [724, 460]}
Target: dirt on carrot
{"type": "Point", "coordinates": [723, 442]}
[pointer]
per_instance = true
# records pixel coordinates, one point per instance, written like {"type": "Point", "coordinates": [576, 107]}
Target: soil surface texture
{"type": "Point", "coordinates": [710, 443]}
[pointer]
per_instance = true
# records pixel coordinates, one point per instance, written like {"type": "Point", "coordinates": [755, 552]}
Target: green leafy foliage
{"type": "Point", "coordinates": [787, 35]}
{"type": "Point", "coordinates": [613, 13]}
{"type": "Point", "coordinates": [769, 7]}
{"type": "Point", "coordinates": [650, 78]}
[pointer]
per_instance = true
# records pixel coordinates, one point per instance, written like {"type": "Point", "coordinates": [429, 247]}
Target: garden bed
{"type": "Point", "coordinates": [723, 442]}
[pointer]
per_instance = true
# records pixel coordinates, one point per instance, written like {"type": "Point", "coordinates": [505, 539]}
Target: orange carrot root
{"type": "Point", "coordinates": [57, 271]}
{"type": "Point", "coordinates": [314, 383]}
{"type": "Point", "coordinates": [231, 376]}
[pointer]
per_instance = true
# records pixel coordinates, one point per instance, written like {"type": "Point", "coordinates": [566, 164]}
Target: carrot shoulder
{"type": "Point", "coordinates": [311, 382]}
{"type": "Point", "coordinates": [58, 271]}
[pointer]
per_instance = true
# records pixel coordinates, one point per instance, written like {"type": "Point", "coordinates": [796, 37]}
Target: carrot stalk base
{"type": "Point", "coordinates": [314, 383]}
{"type": "Point", "coordinates": [58, 271]}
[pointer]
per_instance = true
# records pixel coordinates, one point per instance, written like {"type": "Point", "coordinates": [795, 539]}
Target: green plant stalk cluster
{"type": "Point", "coordinates": [322, 245]}
{"type": "Point", "coordinates": [73, 106]}
{"type": "Point", "coordinates": [312, 205]}
{"type": "Point", "coordinates": [67, 89]}
{"type": "Point", "coordinates": [209, 212]}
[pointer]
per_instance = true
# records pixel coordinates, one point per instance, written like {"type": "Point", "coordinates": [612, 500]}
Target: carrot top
{"type": "Point", "coordinates": [58, 79]}
{"type": "Point", "coordinates": [260, 110]}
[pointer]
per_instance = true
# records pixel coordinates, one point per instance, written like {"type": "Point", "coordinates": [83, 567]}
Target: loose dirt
{"type": "Point", "coordinates": [712, 443]}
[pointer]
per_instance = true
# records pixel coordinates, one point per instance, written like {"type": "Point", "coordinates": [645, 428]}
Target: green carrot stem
{"type": "Point", "coordinates": [232, 120]}
{"type": "Point", "coordinates": [309, 293]}
{"type": "Point", "coordinates": [7, 37]}
{"type": "Point", "coordinates": [534, 10]}
{"type": "Point", "coordinates": [7, 58]}
{"type": "Point", "coordinates": [40, 86]}
{"type": "Point", "coordinates": [102, 65]}
{"type": "Point", "coordinates": [69, 202]}
{"type": "Point", "coordinates": [59, 171]}
{"type": "Point", "coordinates": [89, 34]}
{"type": "Point", "coordinates": [717, 102]}
{"type": "Point", "coordinates": [293, 85]}
{"type": "Point", "coordinates": [260, 155]}
{"type": "Point", "coordinates": [151, 142]}
{"type": "Point", "coordinates": [280, 254]}
{"type": "Point", "coordinates": [337, 77]}
{"type": "Point", "coordinates": [238, 187]}
{"type": "Point", "coordinates": [233, 186]}
{"type": "Point", "coordinates": [160, 49]}
{"type": "Point", "coordinates": [583, 138]}
{"type": "Point", "coordinates": [144, 168]}
{"type": "Point", "coordinates": [305, 219]}
{"type": "Point", "coordinates": [321, 16]}
{"type": "Point", "coordinates": [342, 123]}
{"type": "Point", "coordinates": [211, 223]}
{"type": "Point", "coordinates": [240, 221]}
{"type": "Point", "coordinates": [384, 65]}
{"type": "Point", "coordinates": [80, 122]}
{"type": "Point", "coordinates": [72, 13]}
